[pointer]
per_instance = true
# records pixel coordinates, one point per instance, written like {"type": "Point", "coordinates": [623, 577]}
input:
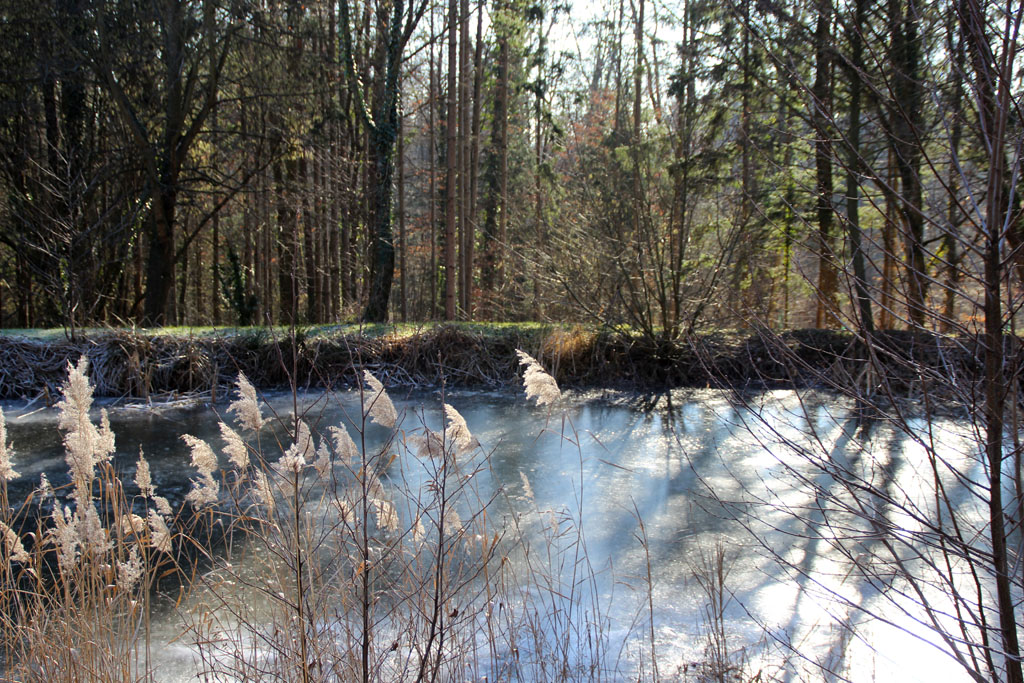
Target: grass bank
{"type": "Point", "coordinates": [147, 364]}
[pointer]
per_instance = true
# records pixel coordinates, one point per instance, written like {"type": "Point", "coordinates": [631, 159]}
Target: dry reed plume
{"type": "Point", "coordinates": [347, 559]}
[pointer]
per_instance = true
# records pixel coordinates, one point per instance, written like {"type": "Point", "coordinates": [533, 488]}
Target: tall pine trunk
{"type": "Point", "coordinates": [451, 163]}
{"type": "Point", "coordinates": [821, 93]}
{"type": "Point", "coordinates": [855, 170]}
{"type": "Point", "coordinates": [906, 126]}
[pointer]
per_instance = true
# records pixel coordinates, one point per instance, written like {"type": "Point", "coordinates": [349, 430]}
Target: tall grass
{"type": "Point", "coordinates": [374, 549]}
{"type": "Point", "coordinates": [78, 574]}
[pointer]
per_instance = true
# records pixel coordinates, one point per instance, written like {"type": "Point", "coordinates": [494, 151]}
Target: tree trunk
{"type": "Point", "coordinates": [495, 179]}
{"type": "Point", "coordinates": [199, 303]}
{"type": "Point", "coordinates": [432, 181]}
{"type": "Point", "coordinates": [465, 230]}
{"type": "Point", "coordinates": [503, 238]}
{"type": "Point", "coordinates": [821, 93]}
{"type": "Point", "coordinates": [382, 259]}
{"type": "Point", "coordinates": [332, 169]}
{"type": "Point", "coordinates": [137, 279]}
{"type": "Point", "coordinates": [306, 182]}
{"type": "Point", "coordinates": [954, 215]}
{"type": "Point", "coordinates": [886, 319]}
{"type": "Point", "coordinates": [402, 266]}
{"type": "Point", "coordinates": [287, 240]}
{"type": "Point", "coordinates": [638, 37]}
{"type": "Point", "coordinates": [160, 261]}
{"type": "Point", "coordinates": [24, 301]}
{"type": "Point", "coordinates": [323, 238]}
{"type": "Point", "coordinates": [473, 160]}
{"type": "Point", "coordinates": [451, 164]}
{"type": "Point", "coordinates": [854, 170]}
{"type": "Point", "coordinates": [993, 83]}
{"type": "Point", "coordinates": [905, 125]}
{"type": "Point", "coordinates": [215, 270]}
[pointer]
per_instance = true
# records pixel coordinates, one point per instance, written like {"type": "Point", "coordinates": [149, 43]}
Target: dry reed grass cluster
{"type": "Point", "coordinates": [352, 553]}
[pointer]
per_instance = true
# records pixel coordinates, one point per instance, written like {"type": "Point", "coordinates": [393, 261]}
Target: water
{"type": "Point", "coordinates": [701, 475]}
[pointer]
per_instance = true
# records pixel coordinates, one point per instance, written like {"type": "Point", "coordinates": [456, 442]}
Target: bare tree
{"type": "Point", "coordinates": [394, 26]}
{"type": "Point", "coordinates": [194, 47]}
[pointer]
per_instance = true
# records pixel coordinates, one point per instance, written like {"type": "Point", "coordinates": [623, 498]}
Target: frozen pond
{"type": "Point", "coordinates": [700, 471]}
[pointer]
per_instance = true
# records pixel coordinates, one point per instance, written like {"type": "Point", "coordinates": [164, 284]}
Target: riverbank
{"type": "Point", "coordinates": [163, 365]}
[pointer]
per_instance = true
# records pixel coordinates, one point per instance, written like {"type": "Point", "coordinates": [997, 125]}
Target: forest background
{"type": "Point", "coordinates": [662, 167]}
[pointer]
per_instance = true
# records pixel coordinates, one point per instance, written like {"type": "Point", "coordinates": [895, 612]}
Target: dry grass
{"type": "Point", "coordinates": [86, 576]}
{"type": "Point", "coordinates": [133, 365]}
{"type": "Point", "coordinates": [346, 559]}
